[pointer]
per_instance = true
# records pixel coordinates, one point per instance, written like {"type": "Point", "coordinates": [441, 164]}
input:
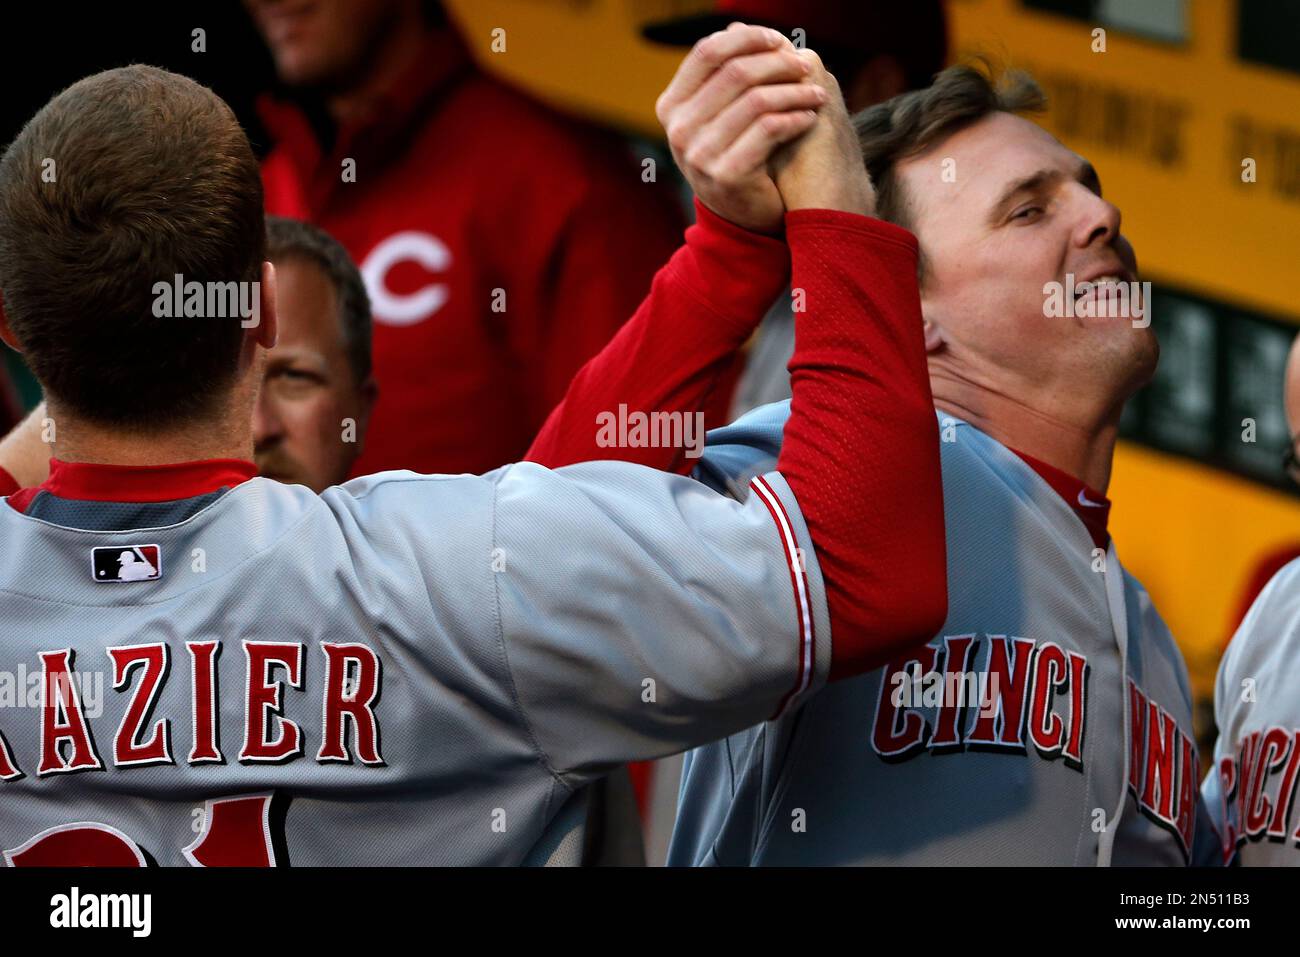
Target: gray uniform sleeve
{"type": "Point", "coordinates": [644, 613]}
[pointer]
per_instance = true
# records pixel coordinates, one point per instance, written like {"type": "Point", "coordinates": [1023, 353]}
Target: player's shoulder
{"type": "Point", "coordinates": [1284, 587]}
{"type": "Point", "coordinates": [970, 456]}
{"type": "Point", "coordinates": [1271, 628]}
{"type": "Point", "coordinates": [468, 500]}
{"type": "Point", "coordinates": [1278, 605]}
{"type": "Point", "coordinates": [763, 424]}
{"type": "Point", "coordinates": [736, 453]}
{"type": "Point", "coordinates": [382, 495]}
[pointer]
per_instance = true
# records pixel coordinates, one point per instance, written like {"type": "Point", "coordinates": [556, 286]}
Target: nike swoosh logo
{"type": "Point", "coordinates": [1083, 500]}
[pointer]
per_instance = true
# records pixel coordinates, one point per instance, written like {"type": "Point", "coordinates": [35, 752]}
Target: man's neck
{"type": "Point", "coordinates": [1079, 441]}
{"type": "Point", "coordinates": [392, 56]}
{"type": "Point", "coordinates": [78, 441]}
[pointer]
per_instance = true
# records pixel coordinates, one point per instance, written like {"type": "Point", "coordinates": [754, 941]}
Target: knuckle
{"type": "Point", "coordinates": [709, 49]}
{"type": "Point", "coordinates": [678, 138]}
{"type": "Point", "coordinates": [715, 168]}
{"type": "Point", "coordinates": [791, 60]}
{"type": "Point", "coordinates": [735, 71]}
{"type": "Point", "coordinates": [760, 99]}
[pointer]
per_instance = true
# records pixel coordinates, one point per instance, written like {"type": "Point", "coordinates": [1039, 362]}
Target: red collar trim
{"type": "Point", "coordinates": [139, 483]}
{"type": "Point", "coordinates": [1095, 515]}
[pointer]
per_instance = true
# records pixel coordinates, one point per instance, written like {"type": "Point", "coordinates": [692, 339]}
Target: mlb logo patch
{"type": "Point", "coordinates": [126, 563]}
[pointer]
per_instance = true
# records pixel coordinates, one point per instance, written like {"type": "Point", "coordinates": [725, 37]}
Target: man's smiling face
{"type": "Point", "coordinates": [1019, 211]}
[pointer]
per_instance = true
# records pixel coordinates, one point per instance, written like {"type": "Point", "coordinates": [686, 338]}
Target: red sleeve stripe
{"type": "Point", "coordinates": [799, 582]}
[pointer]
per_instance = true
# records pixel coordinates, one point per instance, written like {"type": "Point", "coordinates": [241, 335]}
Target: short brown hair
{"type": "Point", "coordinates": [911, 122]}
{"type": "Point", "coordinates": [125, 179]}
{"type": "Point", "coordinates": [293, 239]}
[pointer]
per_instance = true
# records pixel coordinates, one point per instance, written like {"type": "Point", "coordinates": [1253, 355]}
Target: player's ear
{"type": "Point", "coordinates": [6, 334]}
{"type": "Point", "coordinates": [933, 337]}
{"type": "Point", "coordinates": [933, 331]}
{"type": "Point", "coordinates": [268, 329]}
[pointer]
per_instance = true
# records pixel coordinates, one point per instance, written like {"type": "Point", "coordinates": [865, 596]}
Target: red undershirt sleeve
{"type": "Point", "coordinates": [861, 450]}
{"type": "Point", "coordinates": [677, 350]}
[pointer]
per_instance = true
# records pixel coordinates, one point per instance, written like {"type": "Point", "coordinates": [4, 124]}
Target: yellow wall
{"type": "Point", "coordinates": [1192, 536]}
{"type": "Point", "coordinates": [584, 55]}
{"type": "Point", "coordinates": [1190, 533]}
{"type": "Point", "coordinates": [1198, 225]}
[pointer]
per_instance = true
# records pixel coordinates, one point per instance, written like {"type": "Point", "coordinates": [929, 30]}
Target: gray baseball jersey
{"type": "Point", "coordinates": [1250, 793]}
{"type": "Point", "coordinates": [404, 670]}
{"type": "Point", "coordinates": [1048, 723]}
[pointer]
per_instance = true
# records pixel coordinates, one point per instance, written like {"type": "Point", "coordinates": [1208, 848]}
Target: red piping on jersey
{"type": "Point", "coordinates": [88, 482]}
{"type": "Point", "coordinates": [799, 583]}
{"type": "Point", "coordinates": [860, 451]}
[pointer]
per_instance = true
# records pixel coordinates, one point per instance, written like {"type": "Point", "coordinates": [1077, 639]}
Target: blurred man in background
{"type": "Point", "coordinates": [501, 244]}
{"type": "Point", "coordinates": [876, 49]}
{"type": "Point", "coordinates": [310, 423]}
{"type": "Point", "coordinates": [312, 414]}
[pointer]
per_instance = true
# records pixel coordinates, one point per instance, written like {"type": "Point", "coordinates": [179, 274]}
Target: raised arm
{"type": "Point", "coordinates": [672, 356]}
{"type": "Point", "coordinates": [737, 98]}
{"type": "Point", "coordinates": [687, 615]}
{"type": "Point", "coordinates": [859, 357]}
{"type": "Point", "coordinates": [870, 487]}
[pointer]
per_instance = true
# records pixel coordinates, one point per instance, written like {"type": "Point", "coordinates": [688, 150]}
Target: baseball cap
{"type": "Point", "coordinates": [913, 31]}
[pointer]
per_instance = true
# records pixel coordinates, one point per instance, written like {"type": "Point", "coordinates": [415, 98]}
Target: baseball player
{"type": "Point", "coordinates": [407, 668]}
{"type": "Point", "coordinates": [875, 49]}
{"type": "Point", "coordinates": [310, 423]}
{"type": "Point", "coordinates": [1048, 721]}
{"type": "Point", "coordinates": [1250, 791]}
{"type": "Point", "coordinates": [502, 242]}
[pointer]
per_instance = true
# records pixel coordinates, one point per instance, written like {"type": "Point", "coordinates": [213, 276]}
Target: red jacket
{"type": "Point", "coordinates": [463, 187]}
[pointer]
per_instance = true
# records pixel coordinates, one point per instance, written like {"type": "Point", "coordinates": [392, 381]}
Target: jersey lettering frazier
{"type": "Point", "coordinates": [275, 673]}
